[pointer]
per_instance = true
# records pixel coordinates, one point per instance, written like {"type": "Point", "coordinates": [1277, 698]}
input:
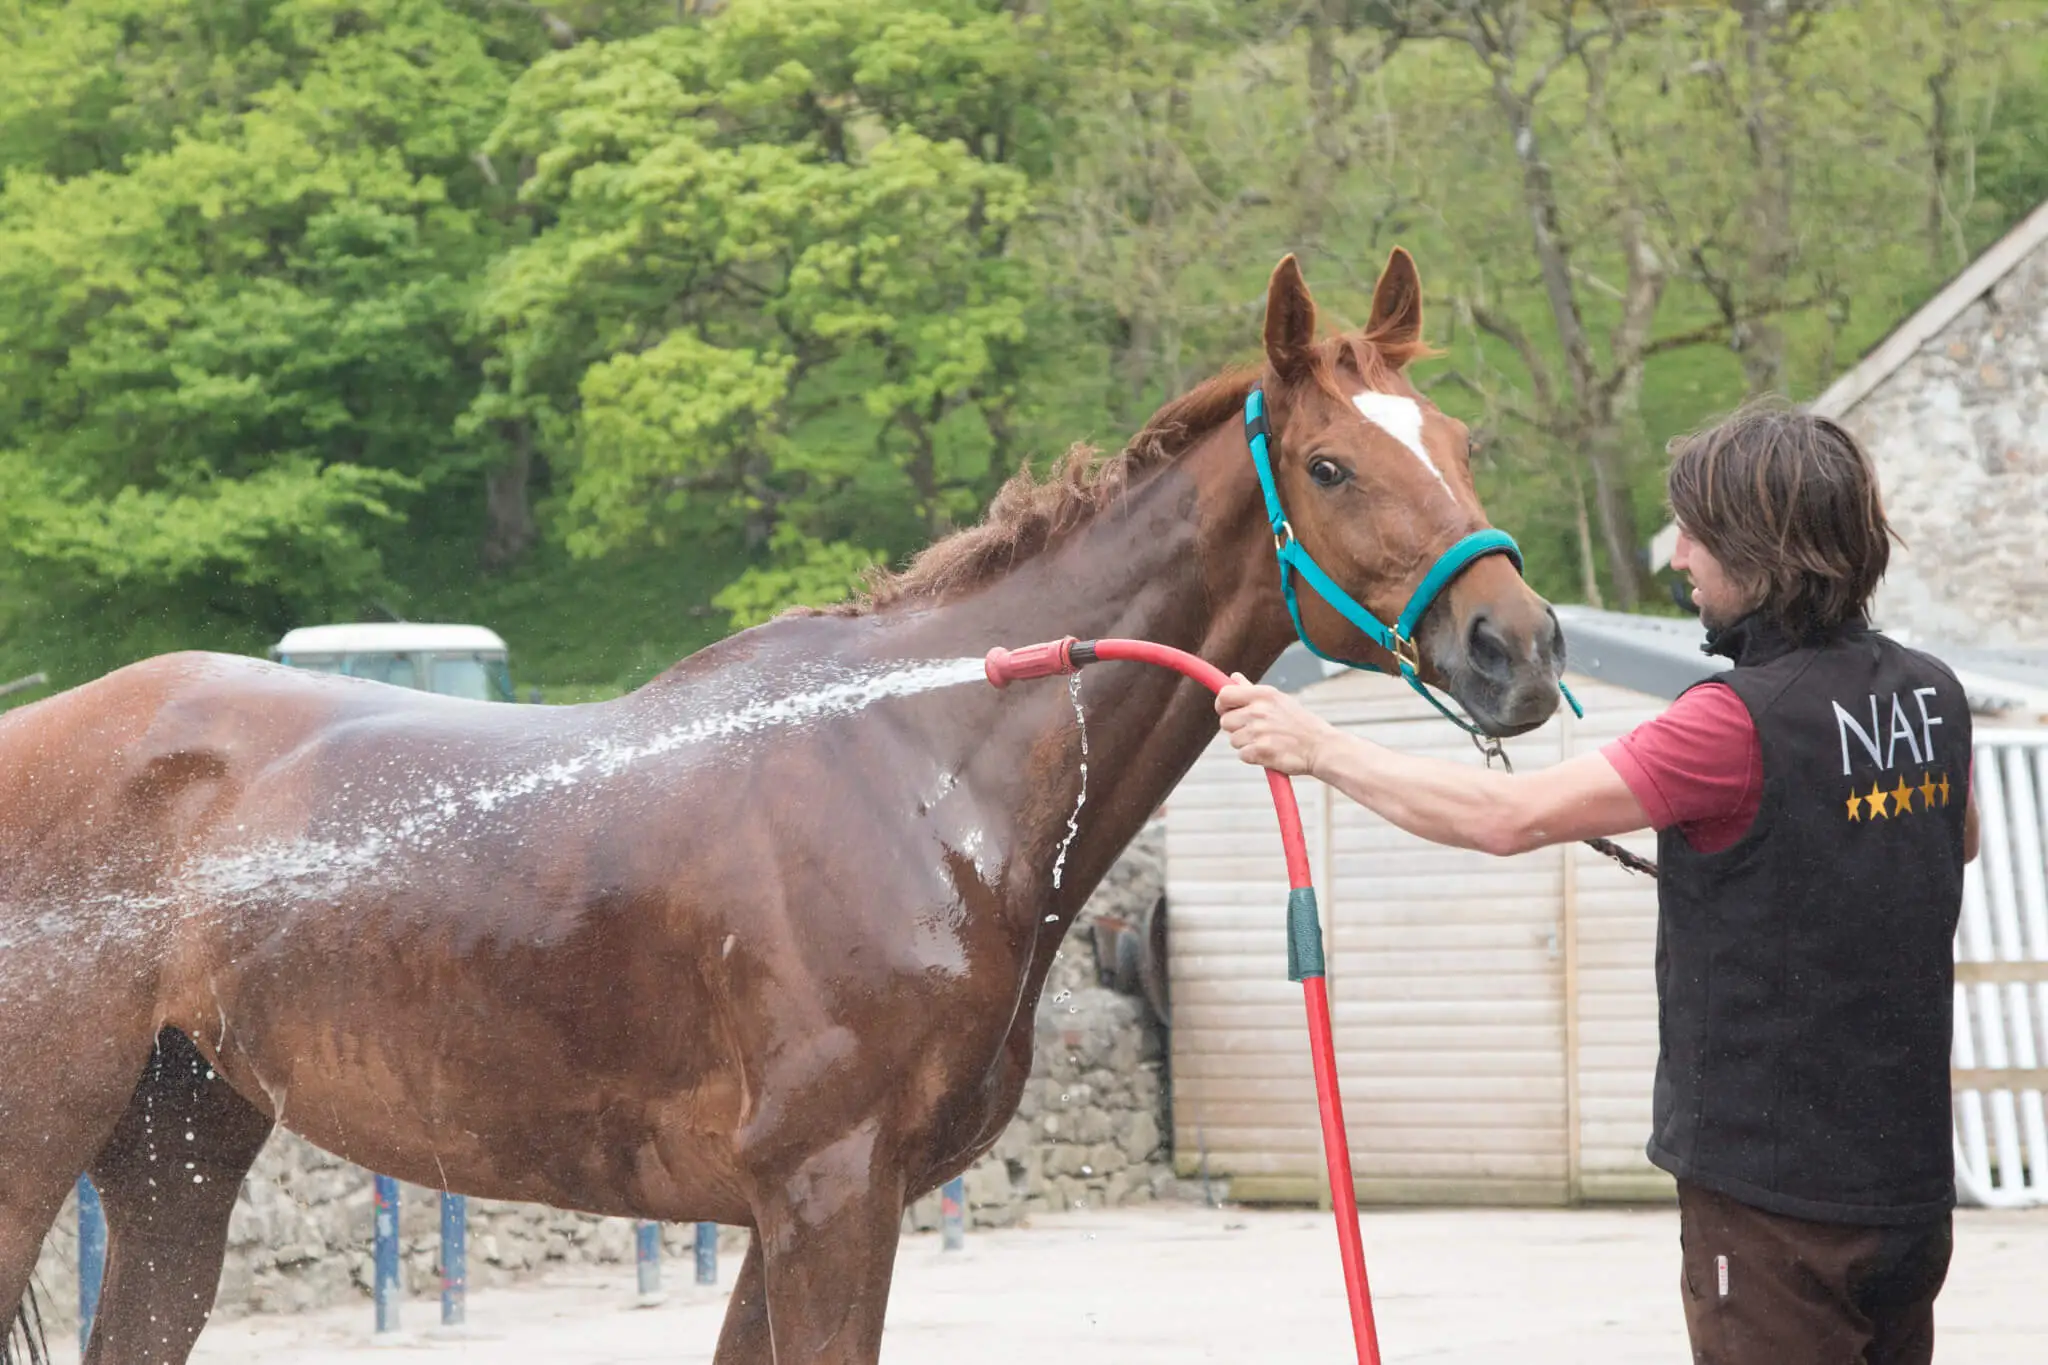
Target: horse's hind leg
{"type": "Point", "coordinates": [168, 1179]}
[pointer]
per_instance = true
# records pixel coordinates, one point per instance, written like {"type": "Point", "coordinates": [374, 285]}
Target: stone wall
{"type": "Point", "coordinates": [1960, 437]}
{"type": "Point", "coordinates": [1090, 1132]}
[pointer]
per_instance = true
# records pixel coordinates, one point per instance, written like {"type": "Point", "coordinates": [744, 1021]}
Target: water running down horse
{"type": "Point", "coordinates": [757, 944]}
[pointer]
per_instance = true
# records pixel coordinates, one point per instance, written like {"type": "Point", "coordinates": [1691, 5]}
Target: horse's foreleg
{"type": "Point", "coordinates": [168, 1179]}
{"type": "Point", "coordinates": [827, 1233]}
{"type": "Point", "coordinates": [744, 1339]}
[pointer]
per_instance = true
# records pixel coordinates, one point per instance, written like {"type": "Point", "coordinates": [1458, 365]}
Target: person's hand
{"type": "Point", "coordinates": [1270, 729]}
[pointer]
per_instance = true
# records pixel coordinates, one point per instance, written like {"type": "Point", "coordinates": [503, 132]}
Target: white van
{"type": "Point", "coordinates": [457, 661]}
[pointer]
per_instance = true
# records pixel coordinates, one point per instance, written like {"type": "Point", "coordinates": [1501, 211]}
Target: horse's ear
{"type": "Point", "coordinates": [1290, 321]}
{"type": "Point", "coordinates": [1397, 305]}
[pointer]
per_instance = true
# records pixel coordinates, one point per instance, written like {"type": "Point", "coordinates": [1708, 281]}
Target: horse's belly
{"type": "Point", "coordinates": [528, 1072]}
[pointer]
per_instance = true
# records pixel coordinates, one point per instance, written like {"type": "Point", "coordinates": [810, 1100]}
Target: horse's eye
{"type": "Point", "coordinates": [1327, 473]}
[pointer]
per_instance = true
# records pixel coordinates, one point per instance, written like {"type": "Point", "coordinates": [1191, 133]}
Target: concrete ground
{"type": "Point", "coordinates": [1174, 1284]}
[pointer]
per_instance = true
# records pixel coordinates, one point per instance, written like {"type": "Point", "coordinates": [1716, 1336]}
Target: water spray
{"type": "Point", "coordinates": [1304, 935]}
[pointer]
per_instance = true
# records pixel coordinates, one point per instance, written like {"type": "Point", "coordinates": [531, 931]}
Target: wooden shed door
{"type": "Point", "coordinates": [1447, 986]}
{"type": "Point", "coordinates": [1495, 1018]}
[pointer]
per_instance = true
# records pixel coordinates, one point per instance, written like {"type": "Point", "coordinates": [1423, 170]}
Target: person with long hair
{"type": "Point", "coordinates": [1813, 815]}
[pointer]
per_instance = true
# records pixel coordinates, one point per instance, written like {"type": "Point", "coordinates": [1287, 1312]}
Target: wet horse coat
{"type": "Point", "coordinates": [759, 943]}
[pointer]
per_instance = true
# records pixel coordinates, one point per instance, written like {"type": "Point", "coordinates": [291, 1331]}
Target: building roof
{"type": "Point", "coordinates": [388, 637]}
{"type": "Point", "coordinates": [1661, 657]}
{"type": "Point", "coordinates": [1658, 655]}
{"type": "Point", "coordinates": [1905, 340]}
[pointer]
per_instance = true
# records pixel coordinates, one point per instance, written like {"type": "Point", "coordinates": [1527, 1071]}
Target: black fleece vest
{"type": "Point", "coordinates": [1805, 976]}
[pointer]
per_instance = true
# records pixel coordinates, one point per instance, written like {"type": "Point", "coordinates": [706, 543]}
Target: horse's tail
{"type": "Point", "coordinates": [24, 1343]}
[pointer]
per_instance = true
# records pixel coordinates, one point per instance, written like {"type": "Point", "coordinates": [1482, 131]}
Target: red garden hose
{"type": "Point", "coordinates": [1005, 666]}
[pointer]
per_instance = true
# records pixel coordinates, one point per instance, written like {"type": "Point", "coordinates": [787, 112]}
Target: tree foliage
{"type": "Point", "coordinates": [770, 281]}
{"type": "Point", "coordinates": [314, 308]}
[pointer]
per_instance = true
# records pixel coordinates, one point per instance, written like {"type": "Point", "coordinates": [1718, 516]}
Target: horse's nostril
{"type": "Point", "coordinates": [1555, 654]}
{"type": "Point", "coordinates": [1486, 648]}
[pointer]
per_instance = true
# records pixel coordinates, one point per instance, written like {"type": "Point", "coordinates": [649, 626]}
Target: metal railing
{"type": "Point", "coordinates": [2001, 1019]}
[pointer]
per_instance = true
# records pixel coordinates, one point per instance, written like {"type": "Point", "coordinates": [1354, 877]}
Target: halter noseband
{"type": "Point", "coordinates": [1399, 638]}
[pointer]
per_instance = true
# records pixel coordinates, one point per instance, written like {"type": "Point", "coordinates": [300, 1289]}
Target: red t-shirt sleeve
{"type": "Point", "coordinates": [1698, 766]}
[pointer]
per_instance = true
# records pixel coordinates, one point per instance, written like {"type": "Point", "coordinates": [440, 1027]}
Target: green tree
{"type": "Point", "coordinates": [237, 253]}
{"type": "Point", "coordinates": [771, 280]}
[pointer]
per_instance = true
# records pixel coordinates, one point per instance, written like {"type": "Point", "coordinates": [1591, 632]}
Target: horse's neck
{"type": "Point", "coordinates": [1184, 559]}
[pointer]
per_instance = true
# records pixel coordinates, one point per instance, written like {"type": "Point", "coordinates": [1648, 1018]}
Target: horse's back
{"type": "Point", "coordinates": [136, 744]}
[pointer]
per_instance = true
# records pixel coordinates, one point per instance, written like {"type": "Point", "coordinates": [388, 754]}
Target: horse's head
{"type": "Point", "coordinates": [1377, 486]}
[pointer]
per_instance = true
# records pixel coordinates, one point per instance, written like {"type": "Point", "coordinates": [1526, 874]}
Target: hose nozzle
{"type": "Point", "coordinates": [1067, 655]}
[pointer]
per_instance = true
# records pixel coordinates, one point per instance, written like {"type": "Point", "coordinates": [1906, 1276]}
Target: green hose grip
{"type": "Point", "coordinates": [1304, 935]}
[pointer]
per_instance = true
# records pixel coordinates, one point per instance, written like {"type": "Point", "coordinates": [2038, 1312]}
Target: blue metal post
{"type": "Point", "coordinates": [953, 1213]}
{"type": "Point", "coordinates": [454, 1259]}
{"type": "Point", "coordinates": [92, 1257]}
{"type": "Point", "coordinates": [386, 1260]}
{"type": "Point", "coordinates": [647, 1259]}
{"type": "Point", "coordinates": [707, 1253]}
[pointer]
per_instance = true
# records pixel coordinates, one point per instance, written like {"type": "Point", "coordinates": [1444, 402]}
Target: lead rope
{"type": "Point", "coordinates": [1489, 747]}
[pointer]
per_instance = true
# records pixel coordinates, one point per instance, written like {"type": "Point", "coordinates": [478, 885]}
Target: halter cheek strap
{"type": "Point", "coordinates": [1398, 639]}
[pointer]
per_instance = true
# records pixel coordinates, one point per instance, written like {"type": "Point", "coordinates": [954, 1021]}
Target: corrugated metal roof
{"type": "Point", "coordinates": [1661, 656]}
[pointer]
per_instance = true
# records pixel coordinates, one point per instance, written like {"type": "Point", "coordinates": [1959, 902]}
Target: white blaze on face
{"type": "Point", "coordinates": [1400, 418]}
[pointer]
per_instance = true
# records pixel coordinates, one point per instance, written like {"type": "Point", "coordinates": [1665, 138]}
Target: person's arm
{"type": "Point", "coordinates": [1493, 812]}
{"type": "Point", "coordinates": [1447, 803]}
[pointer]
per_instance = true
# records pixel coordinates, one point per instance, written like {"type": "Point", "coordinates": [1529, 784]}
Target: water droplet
{"type": "Point", "coordinates": [1062, 997]}
{"type": "Point", "coordinates": [1064, 1097]}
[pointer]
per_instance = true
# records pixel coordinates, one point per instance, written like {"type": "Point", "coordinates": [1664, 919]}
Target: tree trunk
{"type": "Point", "coordinates": [1553, 250]}
{"type": "Point", "coordinates": [1941, 141]}
{"type": "Point", "coordinates": [1315, 173]}
{"type": "Point", "coordinates": [1589, 576]}
{"type": "Point", "coordinates": [924, 474]}
{"type": "Point", "coordinates": [1760, 342]}
{"type": "Point", "coordinates": [1589, 401]}
{"type": "Point", "coordinates": [1607, 457]}
{"type": "Point", "coordinates": [509, 530]}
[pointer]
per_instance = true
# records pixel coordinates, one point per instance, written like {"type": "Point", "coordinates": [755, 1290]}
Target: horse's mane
{"type": "Point", "coordinates": [1029, 516]}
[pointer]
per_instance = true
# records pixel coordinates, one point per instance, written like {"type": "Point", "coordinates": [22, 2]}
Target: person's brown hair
{"type": "Point", "coordinates": [1788, 503]}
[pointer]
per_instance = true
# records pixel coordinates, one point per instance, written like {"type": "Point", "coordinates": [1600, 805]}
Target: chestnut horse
{"type": "Point", "coordinates": [758, 944]}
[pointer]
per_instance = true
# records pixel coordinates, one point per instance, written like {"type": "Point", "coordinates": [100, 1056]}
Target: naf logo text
{"type": "Point", "coordinates": [1890, 727]}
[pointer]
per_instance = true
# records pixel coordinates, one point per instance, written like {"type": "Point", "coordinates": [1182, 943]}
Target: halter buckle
{"type": "Point", "coordinates": [1282, 535]}
{"type": "Point", "coordinates": [1406, 653]}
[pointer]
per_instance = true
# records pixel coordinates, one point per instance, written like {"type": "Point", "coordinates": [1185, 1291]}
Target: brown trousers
{"type": "Point", "coordinates": [1764, 1289]}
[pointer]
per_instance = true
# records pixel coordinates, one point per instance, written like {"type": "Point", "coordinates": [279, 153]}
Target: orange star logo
{"type": "Point", "coordinates": [1944, 789]}
{"type": "Point", "coordinates": [1902, 797]}
{"type": "Point", "coordinates": [1927, 791]}
{"type": "Point", "coordinates": [1855, 806]}
{"type": "Point", "coordinates": [1877, 801]}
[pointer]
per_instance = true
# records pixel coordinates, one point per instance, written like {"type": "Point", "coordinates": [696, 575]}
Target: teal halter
{"type": "Point", "coordinates": [1399, 638]}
